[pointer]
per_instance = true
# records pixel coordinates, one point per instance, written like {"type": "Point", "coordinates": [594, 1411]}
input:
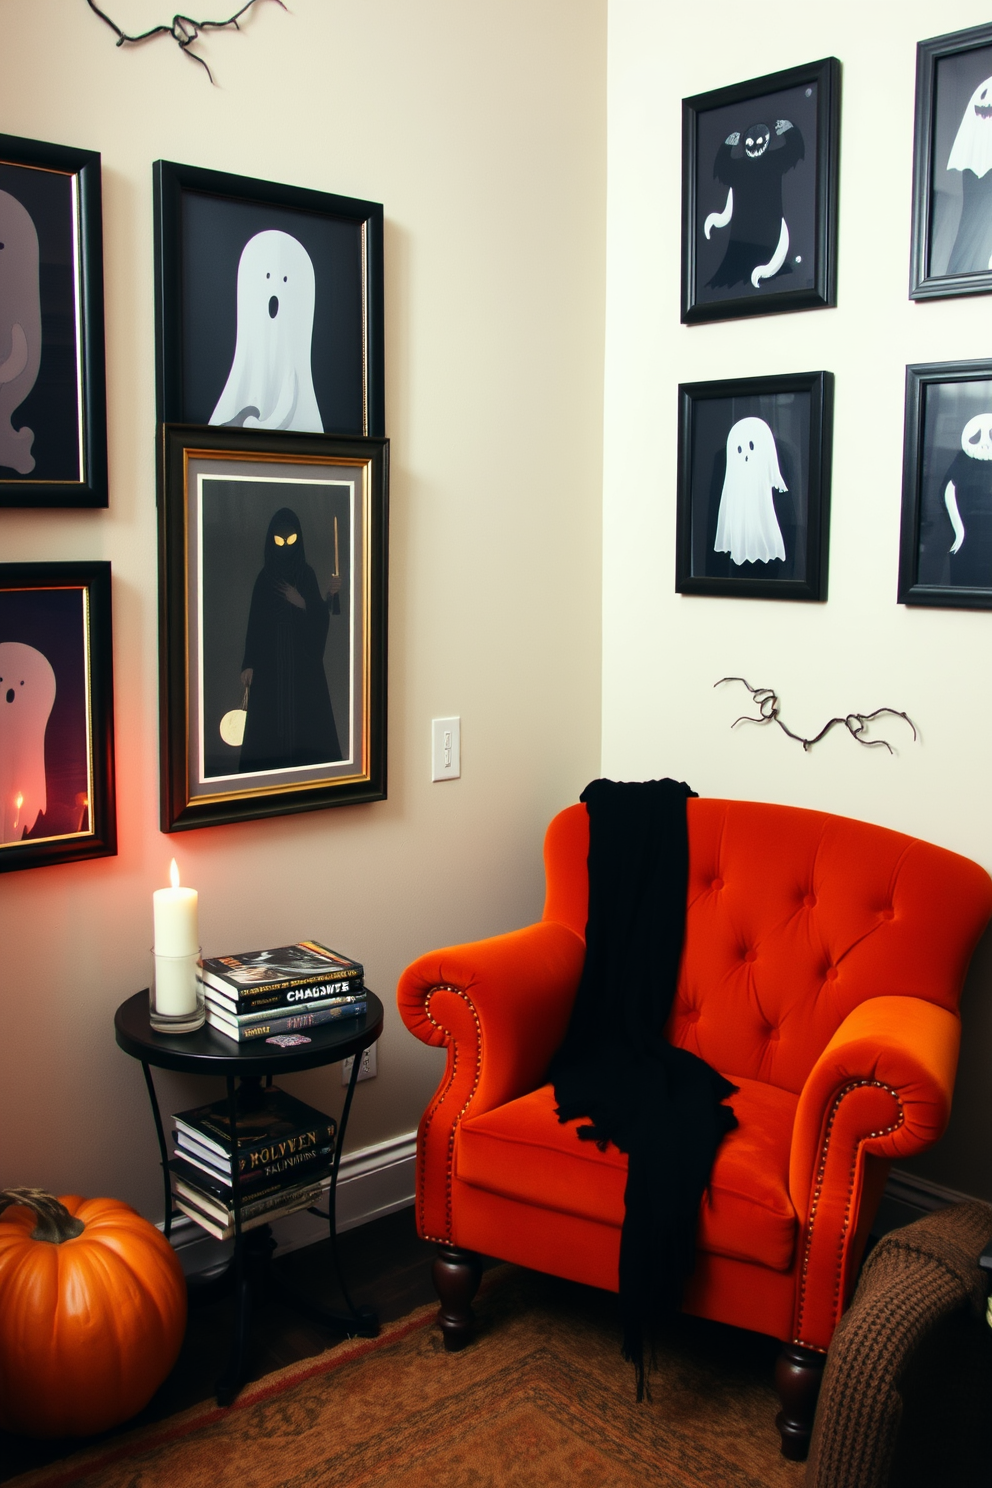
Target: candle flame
{"type": "Point", "coordinates": [174, 874]}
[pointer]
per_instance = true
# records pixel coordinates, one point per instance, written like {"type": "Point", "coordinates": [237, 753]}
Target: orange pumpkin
{"type": "Point", "coordinates": [92, 1312]}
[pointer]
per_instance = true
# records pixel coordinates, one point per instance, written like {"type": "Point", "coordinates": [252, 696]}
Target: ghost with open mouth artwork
{"type": "Point", "coordinates": [270, 384]}
{"type": "Point", "coordinates": [971, 154]}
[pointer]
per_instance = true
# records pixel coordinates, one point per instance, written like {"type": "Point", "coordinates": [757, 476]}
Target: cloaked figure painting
{"type": "Point", "coordinates": [290, 720]}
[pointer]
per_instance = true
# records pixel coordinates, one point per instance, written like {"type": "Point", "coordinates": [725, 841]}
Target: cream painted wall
{"type": "Point", "coordinates": [662, 652]}
{"type": "Point", "coordinates": [482, 130]}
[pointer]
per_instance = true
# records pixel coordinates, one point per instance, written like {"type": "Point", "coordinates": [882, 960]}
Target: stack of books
{"type": "Point", "coordinates": [267, 994]}
{"type": "Point", "coordinates": [285, 1151]}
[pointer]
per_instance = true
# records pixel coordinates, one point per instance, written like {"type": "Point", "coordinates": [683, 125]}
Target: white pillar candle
{"type": "Point", "coordinates": [177, 929]}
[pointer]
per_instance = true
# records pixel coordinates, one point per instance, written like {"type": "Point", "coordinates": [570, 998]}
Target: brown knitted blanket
{"type": "Point", "coordinates": [913, 1279]}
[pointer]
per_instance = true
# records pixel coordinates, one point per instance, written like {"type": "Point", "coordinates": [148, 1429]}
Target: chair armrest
{"type": "Point", "coordinates": [500, 1007]}
{"type": "Point", "coordinates": [881, 1089]}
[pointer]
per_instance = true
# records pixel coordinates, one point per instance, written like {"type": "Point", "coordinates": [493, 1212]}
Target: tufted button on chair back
{"type": "Point", "coordinates": [794, 917]}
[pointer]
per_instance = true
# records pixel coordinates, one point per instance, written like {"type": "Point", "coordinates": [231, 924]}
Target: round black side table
{"type": "Point", "coordinates": [207, 1052]}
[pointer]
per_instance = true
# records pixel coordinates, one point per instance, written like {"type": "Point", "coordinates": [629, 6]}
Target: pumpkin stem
{"type": "Point", "coordinates": [55, 1223]}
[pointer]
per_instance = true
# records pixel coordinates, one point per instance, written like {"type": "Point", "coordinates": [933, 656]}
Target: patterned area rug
{"type": "Point", "coordinates": [541, 1397]}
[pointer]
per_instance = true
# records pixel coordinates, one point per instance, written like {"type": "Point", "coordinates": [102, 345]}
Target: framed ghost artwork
{"type": "Point", "coordinates": [57, 801]}
{"type": "Point", "coordinates": [945, 550]}
{"type": "Point", "coordinates": [268, 305]}
{"type": "Point", "coordinates": [272, 562]}
{"type": "Point", "coordinates": [952, 166]}
{"type": "Point", "coordinates": [53, 398]}
{"type": "Point", "coordinates": [754, 487]}
{"type": "Point", "coordinates": [759, 195]}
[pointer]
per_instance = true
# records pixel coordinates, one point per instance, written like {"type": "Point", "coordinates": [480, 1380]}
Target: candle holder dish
{"type": "Point", "coordinates": [175, 999]}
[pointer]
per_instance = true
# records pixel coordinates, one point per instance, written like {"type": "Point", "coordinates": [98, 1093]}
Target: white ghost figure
{"type": "Point", "coordinates": [20, 328]}
{"type": "Point", "coordinates": [970, 484]}
{"type": "Point", "coordinates": [972, 147]}
{"type": "Point", "coordinates": [270, 384]}
{"type": "Point", "coordinates": [747, 527]}
{"type": "Point", "coordinates": [27, 694]}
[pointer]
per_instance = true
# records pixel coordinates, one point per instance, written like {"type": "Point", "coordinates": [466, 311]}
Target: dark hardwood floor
{"type": "Point", "coordinates": [386, 1266]}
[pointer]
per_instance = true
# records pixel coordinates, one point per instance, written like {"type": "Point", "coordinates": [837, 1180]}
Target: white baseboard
{"type": "Point", "coordinates": [372, 1182]}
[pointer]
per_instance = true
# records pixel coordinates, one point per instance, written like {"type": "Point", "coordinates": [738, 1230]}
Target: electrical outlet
{"type": "Point", "coordinates": [367, 1069]}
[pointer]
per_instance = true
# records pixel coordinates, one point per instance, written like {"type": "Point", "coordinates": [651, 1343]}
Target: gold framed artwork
{"type": "Point", "coordinates": [273, 560]}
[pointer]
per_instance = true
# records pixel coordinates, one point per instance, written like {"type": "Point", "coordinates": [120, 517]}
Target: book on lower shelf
{"type": "Point", "coordinates": [276, 1133]}
{"type": "Point", "coordinates": [280, 1160]}
{"type": "Point", "coordinates": [196, 1167]}
{"type": "Point", "coordinates": [218, 1219]}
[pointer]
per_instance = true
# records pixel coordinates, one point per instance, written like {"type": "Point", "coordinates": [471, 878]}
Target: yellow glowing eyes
{"type": "Point", "coordinates": [285, 542]}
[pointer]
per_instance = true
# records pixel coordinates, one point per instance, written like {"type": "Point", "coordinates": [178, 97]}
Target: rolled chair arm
{"type": "Point", "coordinates": [500, 1007]}
{"type": "Point", "coordinates": [881, 1089]}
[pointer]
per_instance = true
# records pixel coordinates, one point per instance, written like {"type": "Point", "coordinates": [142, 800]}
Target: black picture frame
{"type": "Point", "coordinates": [749, 512]}
{"type": "Point", "coordinates": [952, 203]}
{"type": "Point", "coordinates": [218, 355]}
{"type": "Point", "coordinates": [51, 327]}
{"type": "Point", "coordinates": [945, 542]}
{"type": "Point", "coordinates": [225, 607]}
{"type": "Point", "coordinates": [57, 758]}
{"type": "Point", "coordinates": [795, 182]}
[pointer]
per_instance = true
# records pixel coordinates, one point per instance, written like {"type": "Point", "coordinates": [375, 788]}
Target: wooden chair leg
{"type": "Point", "coordinates": [798, 1372]}
{"type": "Point", "coordinates": [457, 1274]}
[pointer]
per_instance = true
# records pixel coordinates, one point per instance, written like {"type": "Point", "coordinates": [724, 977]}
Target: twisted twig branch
{"type": "Point", "coordinates": [183, 30]}
{"type": "Point", "coordinates": [855, 723]}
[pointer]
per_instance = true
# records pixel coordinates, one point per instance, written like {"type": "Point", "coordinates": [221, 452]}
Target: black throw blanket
{"type": "Point", "coordinates": [659, 1104]}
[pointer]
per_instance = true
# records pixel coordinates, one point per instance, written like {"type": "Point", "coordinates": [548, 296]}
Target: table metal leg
{"type": "Point", "coordinates": [162, 1148]}
{"type": "Point", "coordinates": [333, 1190]}
{"type": "Point", "coordinates": [361, 1322]}
{"type": "Point", "coordinates": [232, 1379]}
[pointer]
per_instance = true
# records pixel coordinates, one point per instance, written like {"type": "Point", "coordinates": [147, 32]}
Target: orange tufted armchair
{"type": "Point", "coordinates": [822, 967]}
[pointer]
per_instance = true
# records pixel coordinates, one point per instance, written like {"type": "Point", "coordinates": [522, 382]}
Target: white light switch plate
{"type": "Point", "coordinates": [446, 748]}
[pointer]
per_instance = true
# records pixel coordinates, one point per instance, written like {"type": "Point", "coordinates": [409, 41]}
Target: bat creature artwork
{"type": "Point", "coordinates": [971, 154]}
{"type": "Point", "coordinates": [967, 491]}
{"type": "Point", "coordinates": [747, 527]}
{"type": "Point", "coordinates": [751, 166]}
